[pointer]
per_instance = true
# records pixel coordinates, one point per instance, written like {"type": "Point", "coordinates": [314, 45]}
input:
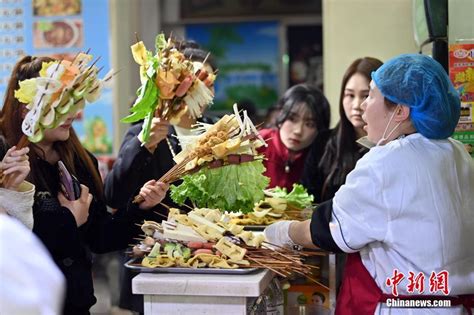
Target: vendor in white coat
{"type": "Point", "coordinates": [408, 206]}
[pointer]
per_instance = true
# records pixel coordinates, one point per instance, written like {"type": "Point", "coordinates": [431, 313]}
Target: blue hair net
{"type": "Point", "coordinates": [421, 83]}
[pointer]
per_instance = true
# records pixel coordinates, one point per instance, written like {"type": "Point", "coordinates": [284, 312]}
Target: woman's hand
{"type": "Point", "coordinates": [79, 207]}
{"type": "Point", "coordinates": [153, 193]}
{"type": "Point", "coordinates": [158, 132]}
{"type": "Point", "coordinates": [15, 167]}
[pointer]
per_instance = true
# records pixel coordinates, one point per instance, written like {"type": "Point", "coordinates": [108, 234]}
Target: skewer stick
{"type": "Point", "coordinates": [160, 214]}
{"type": "Point", "coordinates": [267, 267]}
{"type": "Point", "coordinates": [205, 59]}
{"type": "Point", "coordinates": [167, 178]}
{"type": "Point", "coordinates": [187, 206]}
{"type": "Point", "coordinates": [165, 205]}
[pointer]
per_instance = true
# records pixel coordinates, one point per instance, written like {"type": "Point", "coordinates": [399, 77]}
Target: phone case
{"type": "Point", "coordinates": [70, 186]}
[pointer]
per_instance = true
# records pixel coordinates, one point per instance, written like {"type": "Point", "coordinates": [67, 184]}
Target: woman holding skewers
{"type": "Point", "coordinates": [70, 229]}
{"type": "Point", "coordinates": [141, 164]}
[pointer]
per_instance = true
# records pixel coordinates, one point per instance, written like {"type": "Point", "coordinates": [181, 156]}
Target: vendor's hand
{"type": "Point", "coordinates": [278, 234]}
{"type": "Point", "coordinates": [15, 167]}
{"type": "Point", "coordinates": [79, 207]}
{"type": "Point", "coordinates": [153, 192]}
{"type": "Point", "coordinates": [158, 132]}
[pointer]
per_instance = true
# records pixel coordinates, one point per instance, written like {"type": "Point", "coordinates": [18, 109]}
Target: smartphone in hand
{"type": "Point", "coordinates": [70, 186]}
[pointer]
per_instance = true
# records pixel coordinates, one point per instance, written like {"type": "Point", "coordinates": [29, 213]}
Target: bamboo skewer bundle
{"type": "Point", "coordinates": [227, 129]}
{"type": "Point", "coordinates": [50, 105]}
{"type": "Point", "coordinates": [282, 261]}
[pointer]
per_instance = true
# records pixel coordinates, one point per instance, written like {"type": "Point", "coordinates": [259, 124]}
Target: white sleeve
{"type": "Point", "coordinates": [359, 214]}
{"type": "Point", "coordinates": [31, 281]}
{"type": "Point", "coordinates": [19, 204]}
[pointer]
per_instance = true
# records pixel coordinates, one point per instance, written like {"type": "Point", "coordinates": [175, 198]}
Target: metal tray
{"type": "Point", "coordinates": [135, 265]}
{"type": "Point", "coordinates": [255, 228]}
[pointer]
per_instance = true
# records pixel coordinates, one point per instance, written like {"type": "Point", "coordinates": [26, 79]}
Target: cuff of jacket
{"type": "Point", "coordinates": [19, 203]}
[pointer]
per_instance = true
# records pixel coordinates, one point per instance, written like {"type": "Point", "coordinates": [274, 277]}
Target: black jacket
{"type": "Point", "coordinates": [312, 177]}
{"type": "Point", "coordinates": [70, 246]}
{"type": "Point", "coordinates": [135, 165]}
{"type": "Point", "coordinates": [315, 175]}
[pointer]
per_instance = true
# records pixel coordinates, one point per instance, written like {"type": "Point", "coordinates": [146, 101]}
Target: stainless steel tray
{"type": "Point", "coordinates": [255, 228]}
{"type": "Point", "coordinates": [135, 265]}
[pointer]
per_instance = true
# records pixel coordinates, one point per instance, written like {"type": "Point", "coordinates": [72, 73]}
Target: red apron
{"type": "Point", "coordinates": [360, 295]}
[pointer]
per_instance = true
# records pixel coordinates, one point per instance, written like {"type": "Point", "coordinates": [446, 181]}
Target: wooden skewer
{"type": "Point", "coordinates": [205, 59]}
{"type": "Point", "coordinates": [165, 205]}
{"type": "Point", "coordinates": [161, 214]}
{"type": "Point", "coordinates": [267, 267]}
{"type": "Point", "coordinates": [187, 206]}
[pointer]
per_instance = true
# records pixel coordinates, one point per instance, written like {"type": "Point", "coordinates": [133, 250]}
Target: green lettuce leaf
{"type": "Point", "coordinates": [298, 196]}
{"type": "Point", "coordinates": [230, 188]}
{"type": "Point", "coordinates": [144, 107]}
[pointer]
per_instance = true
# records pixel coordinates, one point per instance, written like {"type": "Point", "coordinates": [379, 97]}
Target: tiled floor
{"type": "Point", "coordinates": [106, 285]}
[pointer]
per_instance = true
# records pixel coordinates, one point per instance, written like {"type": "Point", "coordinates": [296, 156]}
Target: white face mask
{"type": "Point", "coordinates": [385, 137]}
{"type": "Point", "coordinates": [365, 142]}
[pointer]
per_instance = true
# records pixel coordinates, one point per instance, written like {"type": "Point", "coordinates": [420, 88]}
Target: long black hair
{"type": "Point", "coordinates": [314, 100]}
{"type": "Point", "coordinates": [342, 151]}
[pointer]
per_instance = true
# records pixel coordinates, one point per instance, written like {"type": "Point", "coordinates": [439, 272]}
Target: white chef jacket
{"type": "Point", "coordinates": [409, 205]}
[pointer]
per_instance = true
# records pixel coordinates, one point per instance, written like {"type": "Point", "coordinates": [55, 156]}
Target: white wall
{"type": "Point", "coordinates": [127, 18]}
{"type": "Point", "coordinates": [358, 28]}
{"type": "Point", "coordinates": [461, 23]}
{"type": "Point", "coordinates": [351, 29]}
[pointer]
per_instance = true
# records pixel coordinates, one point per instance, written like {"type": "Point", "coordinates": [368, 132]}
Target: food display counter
{"type": "Point", "coordinates": [174, 293]}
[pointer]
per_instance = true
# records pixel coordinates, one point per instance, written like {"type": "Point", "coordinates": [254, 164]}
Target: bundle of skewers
{"type": "Point", "coordinates": [206, 238]}
{"type": "Point", "coordinates": [233, 140]}
{"type": "Point", "coordinates": [268, 211]}
{"type": "Point", "coordinates": [278, 205]}
{"type": "Point", "coordinates": [62, 89]}
{"type": "Point", "coordinates": [172, 85]}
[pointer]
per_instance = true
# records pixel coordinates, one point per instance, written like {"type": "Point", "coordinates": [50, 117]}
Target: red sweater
{"type": "Point", "coordinates": [283, 167]}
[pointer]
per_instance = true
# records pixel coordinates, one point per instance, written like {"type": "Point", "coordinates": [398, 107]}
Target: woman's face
{"type": "Point", "coordinates": [60, 133]}
{"type": "Point", "coordinates": [376, 114]}
{"type": "Point", "coordinates": [355, 92]}
{"type": "Point", "coordinates": [298, 131]}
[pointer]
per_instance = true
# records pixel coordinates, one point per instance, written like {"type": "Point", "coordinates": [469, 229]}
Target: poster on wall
{"type": "Point", "coordinates": [461, 72]}
{"type": "Point", "coordinates": [247, 56]}
{"type": "Point", "coordinates": [60, 29]}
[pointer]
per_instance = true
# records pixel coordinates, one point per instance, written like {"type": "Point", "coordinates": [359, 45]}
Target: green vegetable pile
{"type": "Point", "coordinates": [298, 197]}
{"type": "Point", "coordinates": [233, 188]}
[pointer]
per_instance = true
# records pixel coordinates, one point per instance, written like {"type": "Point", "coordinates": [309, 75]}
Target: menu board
{"type": "Point", "coordinates": [461, 72]}
{"type": "Point", "coordinates": [60, 29]}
